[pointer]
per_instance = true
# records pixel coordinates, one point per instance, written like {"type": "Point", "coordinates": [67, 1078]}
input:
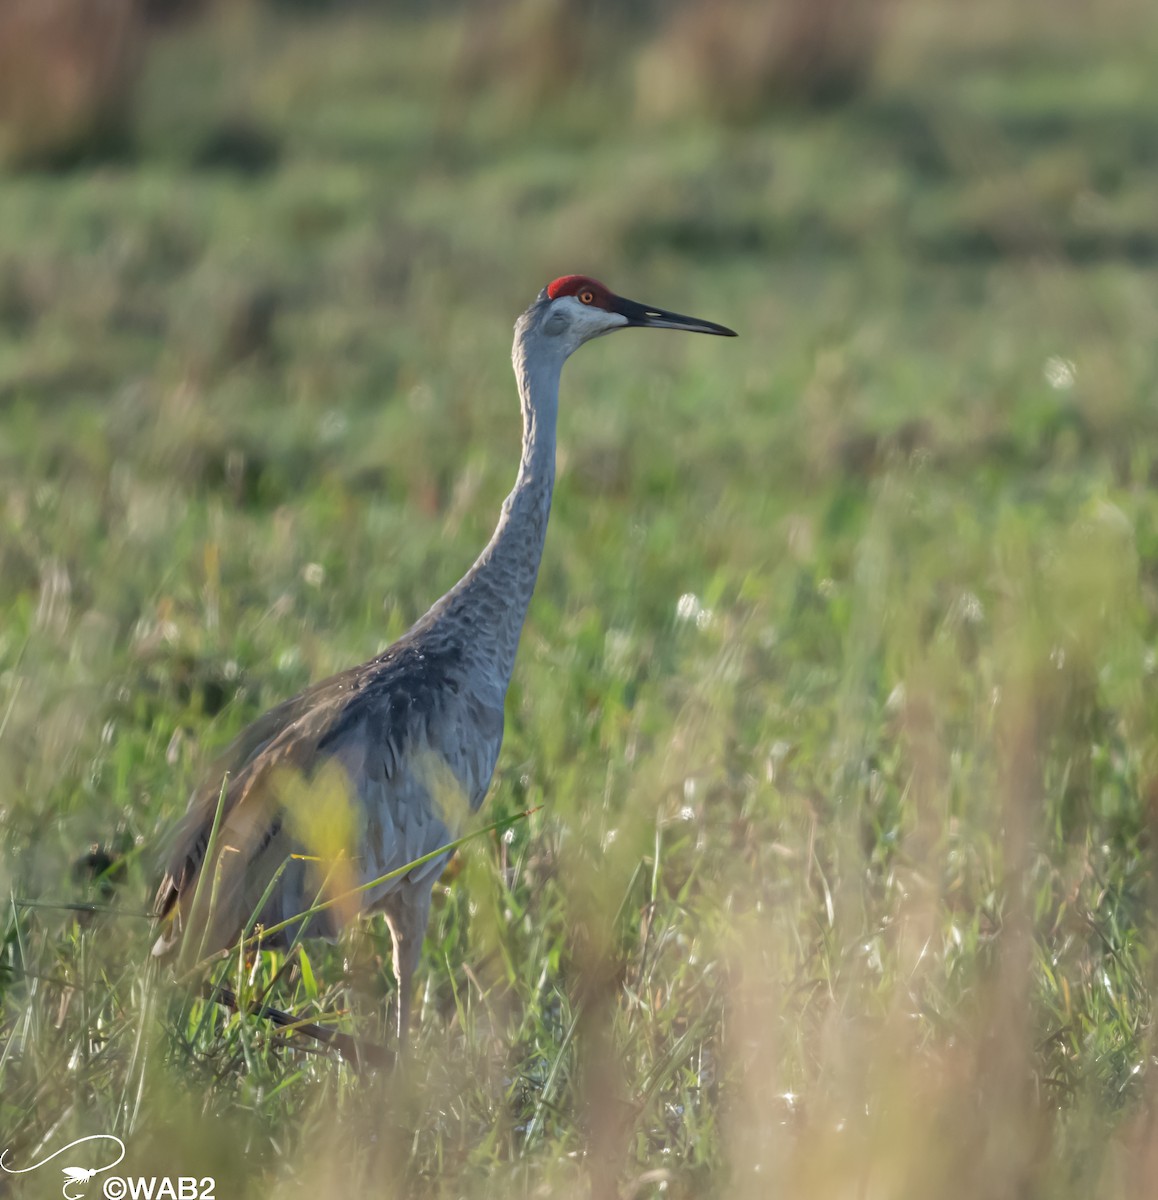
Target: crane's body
{"type": "Point", "coordinates": [380, 764]}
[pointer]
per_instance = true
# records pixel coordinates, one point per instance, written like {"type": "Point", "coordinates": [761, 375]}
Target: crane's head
{"type": "Point", "coordinates": [575, 308]}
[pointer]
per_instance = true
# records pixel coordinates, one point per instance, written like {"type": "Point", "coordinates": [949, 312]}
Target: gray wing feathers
{"type": "Point", "coordinates": [408, 745]}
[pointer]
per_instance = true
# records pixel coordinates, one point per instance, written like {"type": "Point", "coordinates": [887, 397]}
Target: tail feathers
{"type": "Point", "coordinates": [167, 942]}
{"type": "Point", "coordinates": [168, 913]}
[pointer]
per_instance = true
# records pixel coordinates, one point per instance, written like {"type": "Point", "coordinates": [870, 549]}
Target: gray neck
{"type": "Point", "coordinates": [488, 606]}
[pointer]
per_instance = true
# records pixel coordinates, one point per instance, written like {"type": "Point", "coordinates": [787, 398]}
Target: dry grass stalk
{"type": "Point", "coordinates": [67, 73]}
{"type": "Point", "coordinates": [733, 58]}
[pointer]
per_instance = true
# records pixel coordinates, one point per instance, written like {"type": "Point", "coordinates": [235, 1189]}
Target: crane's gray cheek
{"type": "Point", "coordinates": [556, 324]}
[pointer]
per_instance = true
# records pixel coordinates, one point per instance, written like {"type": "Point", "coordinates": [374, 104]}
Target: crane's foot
{"type": "Point", "coordinates": [358, 1053]}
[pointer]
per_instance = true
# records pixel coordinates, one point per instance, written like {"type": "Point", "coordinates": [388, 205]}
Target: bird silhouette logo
{"type": "Point", "coordinates": [74, 1177]}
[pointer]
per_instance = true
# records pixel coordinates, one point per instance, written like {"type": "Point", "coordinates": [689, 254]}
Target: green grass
{"type": "Point", "coordinates": [840, 879]}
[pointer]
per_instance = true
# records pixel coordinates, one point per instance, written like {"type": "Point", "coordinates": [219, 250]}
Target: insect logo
{"type": "Point", "coordinates": [74, 1177]}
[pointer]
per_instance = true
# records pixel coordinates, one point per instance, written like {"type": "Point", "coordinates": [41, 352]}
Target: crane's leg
{"type": "Point", "coordinates": [407, 911]}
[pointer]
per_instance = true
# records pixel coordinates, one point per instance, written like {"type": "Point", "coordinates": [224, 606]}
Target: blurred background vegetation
{"type": "Point", "coordinates": [837, 693]}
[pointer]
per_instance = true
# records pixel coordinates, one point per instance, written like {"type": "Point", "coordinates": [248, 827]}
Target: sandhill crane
{"type": "Point", "coordinates": [370, 770]}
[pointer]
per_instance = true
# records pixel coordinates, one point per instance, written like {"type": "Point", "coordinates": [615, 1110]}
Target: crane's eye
{"type": "Point", "coordinates": [587, 297]}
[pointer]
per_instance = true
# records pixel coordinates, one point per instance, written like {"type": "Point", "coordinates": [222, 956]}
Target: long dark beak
{"type": "Point", "coordinates": [644, 317]}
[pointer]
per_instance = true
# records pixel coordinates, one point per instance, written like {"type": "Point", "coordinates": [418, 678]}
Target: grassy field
{"type": "Point", "coordinates": [836, 704]}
